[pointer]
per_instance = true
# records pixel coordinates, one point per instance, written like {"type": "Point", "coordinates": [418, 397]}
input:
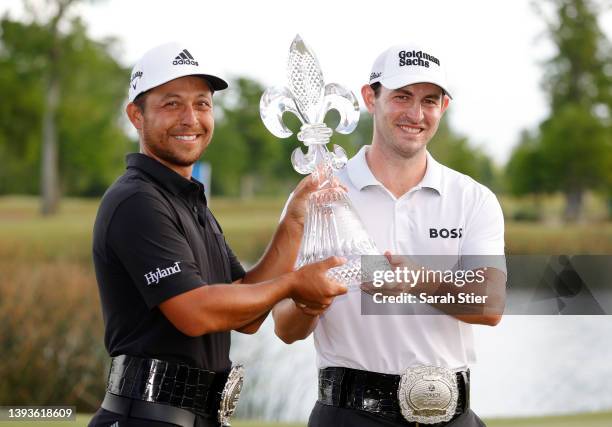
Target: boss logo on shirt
{"type": "Point", "coordinates": [155, 275]}
{"type": "Point", "coordinates": [445, 233]}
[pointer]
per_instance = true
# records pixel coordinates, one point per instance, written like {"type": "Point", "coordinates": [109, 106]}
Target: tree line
{"type": "Point", "coordinates": [63, 131]}
{"type": "Point", "coordinates": [571, 150]}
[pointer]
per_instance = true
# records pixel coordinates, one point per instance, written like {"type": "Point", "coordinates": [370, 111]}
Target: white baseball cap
{"type": "Point", "coordinates": [408, 64]}
{"type": "Point", "coordinates": [168, 62]}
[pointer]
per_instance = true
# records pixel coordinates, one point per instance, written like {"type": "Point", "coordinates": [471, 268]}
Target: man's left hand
{"type": "Point", "coordinates": [297, 206]}
{"type": "Point", "coordinates": [295, 212]}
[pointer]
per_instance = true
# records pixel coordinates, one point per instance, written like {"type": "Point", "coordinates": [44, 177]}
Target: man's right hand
{"type": "Point", "coordinates": [313, 291]}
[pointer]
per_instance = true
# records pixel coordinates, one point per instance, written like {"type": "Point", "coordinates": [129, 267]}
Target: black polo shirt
{"type": "Point", "coordinates": [155, 238]}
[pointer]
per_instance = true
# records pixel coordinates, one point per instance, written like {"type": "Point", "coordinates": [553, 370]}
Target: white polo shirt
{"type": "Point", "coordinates": [444, 199]}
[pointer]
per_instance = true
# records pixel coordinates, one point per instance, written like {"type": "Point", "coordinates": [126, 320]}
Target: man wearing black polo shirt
{"type": "Point", "coordinates": [171, 288]}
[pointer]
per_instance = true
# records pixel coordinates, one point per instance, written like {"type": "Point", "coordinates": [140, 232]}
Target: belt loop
{"type": "Point", "coordinates": [466, 388]}
{"type": "Point", "coordinates": [344, 379]}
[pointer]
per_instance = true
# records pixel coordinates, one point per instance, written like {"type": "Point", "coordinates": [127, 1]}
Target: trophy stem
{"type": "Point", "coordinates": [324, 173]}
{"type": "Point", "coordinates": [316, 137]}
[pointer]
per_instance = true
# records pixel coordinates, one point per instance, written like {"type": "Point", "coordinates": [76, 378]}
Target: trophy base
{"type": "Point", "coordinates": [348, 273]}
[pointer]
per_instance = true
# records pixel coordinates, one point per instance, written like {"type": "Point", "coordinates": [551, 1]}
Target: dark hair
{"type": "Point", "coordinates": [376, 88]}
{"type": "Point", "coordinates": [141, 100]}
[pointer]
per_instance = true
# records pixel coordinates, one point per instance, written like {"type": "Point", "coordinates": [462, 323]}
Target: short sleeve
{"type": "Point", "coordinates": [150, 245]}
{"type": "Point", "coordinates": [483, 240]}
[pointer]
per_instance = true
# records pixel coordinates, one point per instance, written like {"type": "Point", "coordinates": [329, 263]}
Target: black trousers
{"type": "Point", "coordinates": [331, 416]}
{"type": "Point", "coordinates": [104, 418]}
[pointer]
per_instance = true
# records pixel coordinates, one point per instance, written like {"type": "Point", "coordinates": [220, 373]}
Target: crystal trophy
{"type": "Point", "coordinates": [332, 226]}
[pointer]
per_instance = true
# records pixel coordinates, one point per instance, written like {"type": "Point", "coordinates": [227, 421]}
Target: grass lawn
{"type": "Point", "coordinates": [248, 226]}
{"type": "Point", "coordinates": [67, 236]}
{"type": "Point", "coordinates": [581, 420]}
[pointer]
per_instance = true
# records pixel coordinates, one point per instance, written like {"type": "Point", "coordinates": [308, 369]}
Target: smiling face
{"type": "Point", "coordinates": [405, 119]}
{"type": "Point", "coordinates": [176, 123]}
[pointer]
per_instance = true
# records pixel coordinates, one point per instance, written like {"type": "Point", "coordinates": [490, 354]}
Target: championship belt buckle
{"type": "Point", "coordinates": [230, 395]}
{"type": "Point", "coordinates": [428, 394]}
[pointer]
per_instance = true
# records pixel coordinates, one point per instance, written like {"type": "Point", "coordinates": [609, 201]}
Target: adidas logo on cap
{"type": "Point", "coordinates": [167, 62]}
{"type": "Point", "coordinates": [184, 58]}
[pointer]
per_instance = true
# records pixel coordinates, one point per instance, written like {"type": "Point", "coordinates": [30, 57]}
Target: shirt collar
{"type": "Point", "coordinates": [359, 172]}
{"type": "Point", "coordinates": [165, 176]}
{"type": "Point", "coordinates": [361, 176]}
{"type": "Point", "coordinates": [433, 175]}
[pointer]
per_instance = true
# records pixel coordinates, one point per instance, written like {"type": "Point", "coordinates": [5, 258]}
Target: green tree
{"type": "Point", "coordinates": [52, 53]}
{"type": "Point", "coordinates": [455, 151]}
{"type": "Point", "coordinates": [525, 169]}
{"type": "Point", "coordinates": [84, 126]}
{"type": "Point", "coordinates": [243, 154]}
{"type": "Point", "coordinates": [575, 141]}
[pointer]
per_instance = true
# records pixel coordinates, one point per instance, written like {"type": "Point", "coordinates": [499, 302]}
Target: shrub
{"type": "Point", "coordinates": [51, 335]}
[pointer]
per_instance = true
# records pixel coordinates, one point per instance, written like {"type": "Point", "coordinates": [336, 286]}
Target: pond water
{"type": "Point", "coordinates": [527, 365]}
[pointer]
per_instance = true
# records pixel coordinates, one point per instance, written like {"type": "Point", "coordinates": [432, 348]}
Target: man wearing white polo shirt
{"type": "Point", "coordinates": [399, 370]}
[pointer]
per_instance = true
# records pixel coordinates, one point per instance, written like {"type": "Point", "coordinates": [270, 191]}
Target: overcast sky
{"type": "Point", "coordinates": [493, 48]}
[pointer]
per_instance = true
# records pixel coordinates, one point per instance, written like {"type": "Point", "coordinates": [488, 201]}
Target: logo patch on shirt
{"type": "Point", "coordinates": [445, 233]}
{"type": "Point", "coordinates": [155, 275]}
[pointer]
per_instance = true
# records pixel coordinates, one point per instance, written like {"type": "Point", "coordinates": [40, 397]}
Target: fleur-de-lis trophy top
{"type": "Point", "coordinates": [332, 226]}
{"type": "Point", "coordinates": [309, 98]}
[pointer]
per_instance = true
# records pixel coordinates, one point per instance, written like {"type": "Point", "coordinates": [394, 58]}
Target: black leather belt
{"type": "Point", "coordinates": [163, 391]}
{"type": "Point", "coordinates": [375, 393]}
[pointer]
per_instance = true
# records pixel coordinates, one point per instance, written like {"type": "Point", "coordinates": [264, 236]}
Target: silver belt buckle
{"type": "Point", "coordinates": [428, 394]}
{"type": "Point", "coordinates": [230, 395]}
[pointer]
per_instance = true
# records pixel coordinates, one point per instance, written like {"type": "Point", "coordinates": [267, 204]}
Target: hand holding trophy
{"type": "Point", "coordinates": [332, 227]}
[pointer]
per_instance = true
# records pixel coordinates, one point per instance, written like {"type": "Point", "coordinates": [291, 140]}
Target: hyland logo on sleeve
{"type": "Point", "coordinates": [419, 58]}
{"type": "Point", "coordinates": [155, 275]}
{"type": "Point", "coordinates": [184, 58]}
